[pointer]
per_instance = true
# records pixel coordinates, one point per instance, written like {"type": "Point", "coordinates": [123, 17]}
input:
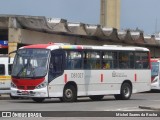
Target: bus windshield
{"type": "Point", "coordinates": [30, 63]}
{"type": "Point", "coordinates": [155, 68]}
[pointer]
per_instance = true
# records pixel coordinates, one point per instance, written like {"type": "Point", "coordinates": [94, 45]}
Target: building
{"type": "Point", "coordinates": [18, 31]}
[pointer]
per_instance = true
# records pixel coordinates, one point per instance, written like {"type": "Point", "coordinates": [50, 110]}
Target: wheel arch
{"type": "Point", "coordinates": [72, 87]}
{"type": "Point", "coordinates": [71, 83]}
{"type": "Point", "coordinates": [129, 82]}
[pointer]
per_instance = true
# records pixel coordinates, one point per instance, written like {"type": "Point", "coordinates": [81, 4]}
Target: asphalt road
{"type": "Point", "coordinates": [84, 104]}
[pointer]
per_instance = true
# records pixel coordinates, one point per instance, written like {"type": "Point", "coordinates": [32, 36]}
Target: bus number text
{"type": "Point", "coordinates": [76, 75]}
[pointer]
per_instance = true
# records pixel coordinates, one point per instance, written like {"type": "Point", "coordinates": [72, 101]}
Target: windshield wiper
{"type": "Point", "coordinates": [21, 70]}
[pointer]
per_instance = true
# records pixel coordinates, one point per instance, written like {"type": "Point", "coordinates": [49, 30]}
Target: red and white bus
{"type": "Point", "coordinates": [155, 74]}
{"type": "Point", "coordinates": [69, 71]}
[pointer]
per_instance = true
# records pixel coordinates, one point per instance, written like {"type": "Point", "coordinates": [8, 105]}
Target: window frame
{"type": "Point", "coordinates": [131, 54]}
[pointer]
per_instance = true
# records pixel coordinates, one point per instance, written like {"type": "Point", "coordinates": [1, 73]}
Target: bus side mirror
{"type": "Point", "coordinates": [9, 55]}
{"type": "Point", "coordinates": [51, 66]}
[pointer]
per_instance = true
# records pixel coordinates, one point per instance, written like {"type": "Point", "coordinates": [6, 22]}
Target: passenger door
{"type": "Point", "coordinates": [57, 64]}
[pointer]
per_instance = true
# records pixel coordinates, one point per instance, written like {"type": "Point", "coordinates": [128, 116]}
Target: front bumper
{"type": "Point", "coordinates": [29, 93]}
{"type": "Point", "coordinates": [155, 86]}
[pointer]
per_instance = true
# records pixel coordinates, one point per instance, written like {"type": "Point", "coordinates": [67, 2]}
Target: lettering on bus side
{"type": "Point", "coordinates": [118, 74]}
{"type": "Point", "coordinates": [77, 75]}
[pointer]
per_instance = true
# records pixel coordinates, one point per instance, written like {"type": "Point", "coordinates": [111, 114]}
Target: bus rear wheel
{"type": "Point", "coordinates": [39, 100]}
{"type": "Point", "coordinates": [96, 97]}
{"type": "Point", "coordinates": [69, 94]}
{"type": "Point", "coordinates": [126, 91]}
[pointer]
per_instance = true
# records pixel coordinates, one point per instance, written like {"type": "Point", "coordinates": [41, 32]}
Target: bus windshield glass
{"type": "Point", "coordinates": [30, 63]}
{"type": "Point", "coordinates": [155, 68]}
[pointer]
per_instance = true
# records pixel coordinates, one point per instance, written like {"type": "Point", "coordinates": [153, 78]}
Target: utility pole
{"type": "Point", "coordinates": [156, 26]}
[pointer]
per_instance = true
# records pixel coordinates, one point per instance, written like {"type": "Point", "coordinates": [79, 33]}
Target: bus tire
{"type": "Point", "coordinates": [126, 91]}
{"type": "Point", "coordinates": [96, 97]}
{"type": "Point", "coordinates": [38, 100]}
{"type": "Point", "coordinates": [69, 94]}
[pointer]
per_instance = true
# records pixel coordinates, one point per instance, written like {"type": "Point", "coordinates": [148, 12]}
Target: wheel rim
{"type": "Point", "coordinates": [68, 93]}
{"type": "Point", "coordinates": [126, 92]}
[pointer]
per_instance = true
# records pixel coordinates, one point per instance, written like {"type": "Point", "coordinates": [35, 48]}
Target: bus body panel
{"type": "Point", "coordinates": [5, 78]}
{"type": "Point", "coordinates": [100, 82]}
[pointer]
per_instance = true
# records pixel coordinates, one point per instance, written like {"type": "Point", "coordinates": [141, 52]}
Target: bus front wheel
{"type": "Point", "coordinates": [69, 94]}
{"type": "Point", "coordinates": [39, 100]}
{"type": "Point", "coordinates": [126, 91]}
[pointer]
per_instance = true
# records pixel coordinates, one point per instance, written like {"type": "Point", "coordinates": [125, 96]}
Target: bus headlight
{"type": "Point", "coordinates": [13, 85]}
{"type": "Point", "coordinates": [42, 85]}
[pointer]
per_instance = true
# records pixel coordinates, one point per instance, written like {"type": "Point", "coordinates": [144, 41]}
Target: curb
{"type": "Point", "coordinates": [149, 108]}
{"type": "Point", "coordinates": [4, 97]}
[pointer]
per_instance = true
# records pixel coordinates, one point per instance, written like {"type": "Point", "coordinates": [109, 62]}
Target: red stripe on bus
{"type": "Point", "coordinates": [154, 60]}
{"type": "Point", "coordinates": [135, 77]}
{"type": "Point", "coordinates": [38, 46]}
{"type": "Point", "coordinates": [27, 84]}
{"type": "Point", "coordinates": [65, 78]}
{"type": "Point", "coordinates": [101, 77]}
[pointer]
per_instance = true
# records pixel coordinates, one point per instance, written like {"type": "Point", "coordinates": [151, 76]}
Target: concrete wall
{"type": "Point", "coordinates": [23, 30]}
{"type": "Point", "coordinates": [33, 37]}
{"type": "Point", "coordinates": [23, 36]}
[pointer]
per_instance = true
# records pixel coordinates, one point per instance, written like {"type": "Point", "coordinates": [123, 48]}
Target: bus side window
{"type": "Point", "coordinates": [91, 60]}
{"type": "Point", "coordinates": [74, 60]}
{"type": "Point", "coordinates": [2, 69]}
{"type": "Point", "coordinates": [106, 65]}
{"type": "Point", "coordinates": [87, 65]}
{"type": "Point", "coordinates": [109, 60]}
{"type": "Point", "coordinates": [142, 61]}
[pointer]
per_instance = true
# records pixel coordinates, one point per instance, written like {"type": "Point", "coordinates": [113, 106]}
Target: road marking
{"type": "Point", "coordinates": [123, 109]}
{"type": "Point", "coordinates": [153, 100]}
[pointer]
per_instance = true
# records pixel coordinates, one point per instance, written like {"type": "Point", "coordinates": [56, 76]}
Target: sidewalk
{"type": "Point", "coordinates": [5, 97]}
{"type": "Point", "coordinates": [150, 107]}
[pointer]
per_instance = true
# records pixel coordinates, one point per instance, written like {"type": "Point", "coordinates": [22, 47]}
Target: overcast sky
{"type": "Point", "coordinates": [142, 14]}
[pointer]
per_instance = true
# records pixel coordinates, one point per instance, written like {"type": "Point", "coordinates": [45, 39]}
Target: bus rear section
{"type": "Point", "coordinates": [5, 72]}
{"type": "Point", "coordinates": [71, 71]}
{"type": "Point", "coordinates": [155, 74]}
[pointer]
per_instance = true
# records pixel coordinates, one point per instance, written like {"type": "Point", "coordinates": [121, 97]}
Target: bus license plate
{"type": "Point", "coordinates": [25, 92]}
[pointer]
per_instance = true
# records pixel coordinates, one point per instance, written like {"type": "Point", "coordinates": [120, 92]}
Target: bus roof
{"type": "Point", "coordinates": [105, 47]}
{"type": "Point", "coordinates": [4, 60]}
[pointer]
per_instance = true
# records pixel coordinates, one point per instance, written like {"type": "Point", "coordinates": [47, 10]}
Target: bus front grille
{"type": "Point", "coordinates": [26, 87]}
{"type": "Point", "coordinates": [21, 87]}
